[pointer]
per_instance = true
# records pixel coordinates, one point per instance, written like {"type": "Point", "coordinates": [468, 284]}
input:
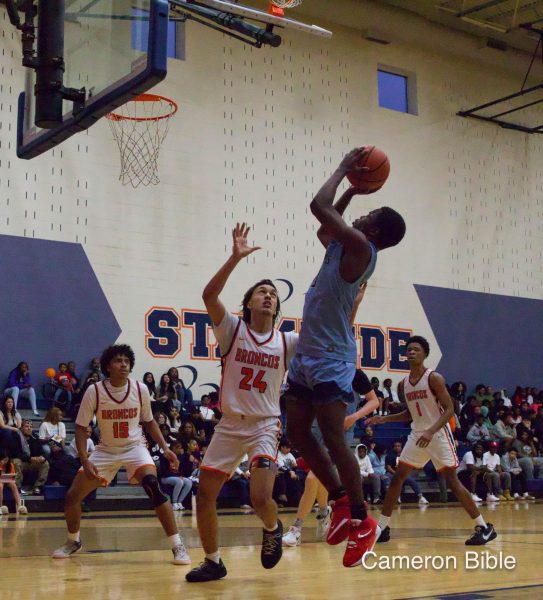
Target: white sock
{"type": "Point", "coordinates": [480, 521]}
{"type": "Point", "coordinates": [175, 540]}
{"type": "Point", "coordinates": [74, 537]}
{"type": "Point", "coordinates": [214, 556]}
{"type": "Point", "coordinates": [383, 522]}
{"type": "Point", "coordinates": [273, 528]}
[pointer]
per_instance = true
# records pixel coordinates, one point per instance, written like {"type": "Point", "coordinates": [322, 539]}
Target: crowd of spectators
{"type": "Point", "coordinates": [499, 439]}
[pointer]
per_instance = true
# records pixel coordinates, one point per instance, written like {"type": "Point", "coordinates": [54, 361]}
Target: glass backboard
{"type": "Point", "coordinates": [115, 49]}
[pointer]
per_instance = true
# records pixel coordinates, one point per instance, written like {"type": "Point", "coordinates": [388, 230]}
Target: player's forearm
{"type": "Point", "coordinates": [154, 431]}
{"type": "Point", "coordinates": [340, 206]}
{"type": "Point", "coordinates": [218, 281]}
{"type": "Point", "coordinates": [324, 199]}
{"type": "Point", "coordinates": [443, 420]}
{"type": "Point", "coordinates": [371, 405]}
{"type": "Point", "coordinates": [81, 442]}
{"type": "Point", "coordinates": [405, 415]}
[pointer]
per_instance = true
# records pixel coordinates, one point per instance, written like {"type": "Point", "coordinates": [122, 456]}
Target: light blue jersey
{"type": "Point", "coordinates": [326, 329]}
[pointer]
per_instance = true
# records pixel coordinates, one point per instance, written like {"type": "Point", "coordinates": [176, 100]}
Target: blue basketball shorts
{"type": "Point", "coordinates": [321, 380]}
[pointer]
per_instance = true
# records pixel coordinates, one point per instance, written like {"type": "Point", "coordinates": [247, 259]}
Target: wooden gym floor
{"type": "Point", "coordinates": [127, 557]}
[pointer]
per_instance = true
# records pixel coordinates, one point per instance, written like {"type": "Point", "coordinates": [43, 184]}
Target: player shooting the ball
{"type": "Point", "coordinates": [322, 370]}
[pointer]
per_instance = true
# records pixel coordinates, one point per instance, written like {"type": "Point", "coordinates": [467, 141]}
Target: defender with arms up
{"type": "Point", "coordinates": [254, 358]}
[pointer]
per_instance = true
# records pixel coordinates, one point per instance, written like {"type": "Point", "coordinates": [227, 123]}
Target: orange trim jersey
{"type": "Point", "coordinates": [422, 403]}
{"type": "Point", "coordinates": [254, 367]}
{"type": "Point", "coordinates": [119, 413]}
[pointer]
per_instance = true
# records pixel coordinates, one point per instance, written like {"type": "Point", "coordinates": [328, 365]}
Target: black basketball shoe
{"type": "Point", "coordinates": [272, 546]}
{"type": "Point", "coordinates": [208, 570]}
{"type": "Point", "coordinates": [385, 536]}
{"type": "Point", "coordinates": [482, 535]}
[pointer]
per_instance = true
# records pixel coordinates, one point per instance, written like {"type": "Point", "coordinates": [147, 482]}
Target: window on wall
{"type": "Point", "coordinates": [140, 34]}
{"type": "Point", "coordinates": [392, 91]}
{"type": "Point", "coordinates": [397, 90]}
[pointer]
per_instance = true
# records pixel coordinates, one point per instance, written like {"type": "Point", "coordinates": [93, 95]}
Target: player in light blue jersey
{"type": "Point", "coordinates": [321, 373]}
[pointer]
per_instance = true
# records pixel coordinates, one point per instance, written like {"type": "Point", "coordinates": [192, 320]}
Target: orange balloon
{"type": "Point", "coordinates": [50, 372]}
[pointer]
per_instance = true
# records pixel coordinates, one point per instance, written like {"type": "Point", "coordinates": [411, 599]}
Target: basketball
{"type": "Point", "coordinates": [379, 168]}
{"type": "Point", "coordinates": [50, 373]}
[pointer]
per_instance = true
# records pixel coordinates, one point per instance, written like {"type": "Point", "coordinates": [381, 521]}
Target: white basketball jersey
{"type": "Point", "coordinates": [118, 413]}
{"type": "Point", "coordinates": [252, 374]}
{"type": "Point", "coordinates": [422, 403]}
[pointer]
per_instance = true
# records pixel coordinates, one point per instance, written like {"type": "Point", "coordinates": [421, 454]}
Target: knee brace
{"type": "Point", "coordinates": [262, 462]}
{"type": "Point", "coordinates": [152, 489]}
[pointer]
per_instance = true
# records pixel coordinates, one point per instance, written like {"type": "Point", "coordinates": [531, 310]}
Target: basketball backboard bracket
{"type": "Point", "coordinates": [507, 105]}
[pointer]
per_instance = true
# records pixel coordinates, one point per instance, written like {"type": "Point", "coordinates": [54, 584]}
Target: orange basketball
{"type": "Point", "coordinates": [50, 373]}
{"type": "Point", "coordinates": [378, 165]}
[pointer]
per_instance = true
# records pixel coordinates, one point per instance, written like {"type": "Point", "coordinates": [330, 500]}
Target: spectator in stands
{"type": "Point", "coordinates": [31, 459]}
{"type": "Point", "coordinates": [368, 438]}
{"type": "Point", "coordinates": [517, 415]}
{"type": "Point", "coordinates": [9, 416]}
{"type": "Point", "coordinates": [506, 401]}
{"type": "Point", "coordinates": [94, 367]}
{"type": "Point", "coordinates": [167, 434]}
{"type": "Point", "coordinates": [161, 418]}
{"type": "Point", "coordinates": [19, 384]}
{"type": "Point", "coordinates": [184, 395]}
{"type": "Point", "coordinates": [285, 489]}
{"type": "Point", "coordinates": [149, 381]}
{"type": "Point", "coordinates": [530, 463]}
{"type": "Point", "coordinates": [458, 393]}
{"type": "Point", "coordinates": [7, 478]}
{"type": "Point", "coordinates": [481, 394]}
{"type": "Point", "coordinates": [62, 467]}
{"type": "Point", "coordinates": [197, 431]}
{"type": "Point", "coordinates": [166, 395]}
{"type": "Point", "coordinates": [390, 397]}
{"type": "Point", "coordinates": [194, 455]}
{"type": "Point", "coordinates": [240, 480]}
{"type": "Point", "coordinates": [76, 381]}
{"type": "Point", "coordinates": [65, 388]}
{"type": "Point", "coordinates": [175, 420]}
{"type": "Point", "coordinates": [91, 379]}
{"type": "Point", "coordinates": [467, 413]}
{"type": "Point", "coordinates": [505, 431]}
{"type": "Point", "coordinates": [478, 431]}
{"type": "Point", "coordinates": [53, 429]}
{"type": "Point", "coordinates": [366, 470]}
{"type": "Point", "coordinates": [214, 402]}
{"type": "Point", "coordinates": [182, 486]}
{"type": "Point", "coordinates": [471, 469]}
{"type": "Point", "coordinates": [510, 464]}
{"type": "Point", "coordinates": [391, 464]}
{"type": "Point", "coordinates": [498, 481]}
{"type": "Point", "coordinates": [378, 462]}
{"type": "Point", "coordinates": [72, 448]}
{"type": "Point", "coordinates": [538, 425]}
{"type": "Point", "coordinates": [380, 396]}
{"type": "Point", "coordinates": [208, 414]}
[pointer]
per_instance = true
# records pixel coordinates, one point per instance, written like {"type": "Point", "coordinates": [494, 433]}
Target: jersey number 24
{"type": "Point", "coordinates": [257, 383]}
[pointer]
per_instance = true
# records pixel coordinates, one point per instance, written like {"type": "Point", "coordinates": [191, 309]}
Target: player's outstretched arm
{"type": "Point", "coordinates": [240, 250]}
{"type": "Point", "coordinates": [322, 205]}
{"type": "Point", "coordinates": [341, 205]}
{"type": "Point", "coordinates": [372, 404]}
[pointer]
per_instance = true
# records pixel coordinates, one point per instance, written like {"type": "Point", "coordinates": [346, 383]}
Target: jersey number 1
{"type": "Point", "coordinates": [418, 409]}
{"type": "Point", "coordinates": [120, 430]}
{"type": "Point", "coordinates": [245, 383]}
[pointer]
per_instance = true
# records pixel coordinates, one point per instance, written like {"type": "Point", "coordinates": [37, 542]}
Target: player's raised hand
{"type": "Point", "coordinates": [351, 161]}
{"type": "Point", "coordinates": [171, 457]}
{"type": "Point", "coordinates": [240, 246]}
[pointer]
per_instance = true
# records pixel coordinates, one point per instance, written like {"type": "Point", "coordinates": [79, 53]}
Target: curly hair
{"type": "Point", "coordinates": [116, 350]}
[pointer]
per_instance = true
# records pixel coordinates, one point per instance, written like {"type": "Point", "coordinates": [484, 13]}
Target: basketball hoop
{"type": "Point", "coordinates": [139, 128]}
{"type": "Point", "coordinates": [277, 7]}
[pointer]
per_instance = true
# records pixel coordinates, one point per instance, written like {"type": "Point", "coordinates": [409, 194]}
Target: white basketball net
{"type": "Point", "coordinates": [139, 128]}
{"type": "Point", "coordinates": [286, 3]}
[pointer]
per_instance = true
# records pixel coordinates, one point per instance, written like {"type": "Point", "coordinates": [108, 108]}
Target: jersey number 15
{"type": "Point", "coordinates": [120, 429]}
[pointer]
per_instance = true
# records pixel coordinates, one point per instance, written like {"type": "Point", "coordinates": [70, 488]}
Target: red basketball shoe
{"type": "Point", "coordinates": [339, 525]}
{"type": "Point", "coordinates": [362, 538]}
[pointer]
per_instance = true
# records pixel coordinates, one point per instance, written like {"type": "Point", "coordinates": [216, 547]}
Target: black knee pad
{"type": "Point", "coordinates": [262, 462]}
{"type": "Point", "coordinates": [152, 489]}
